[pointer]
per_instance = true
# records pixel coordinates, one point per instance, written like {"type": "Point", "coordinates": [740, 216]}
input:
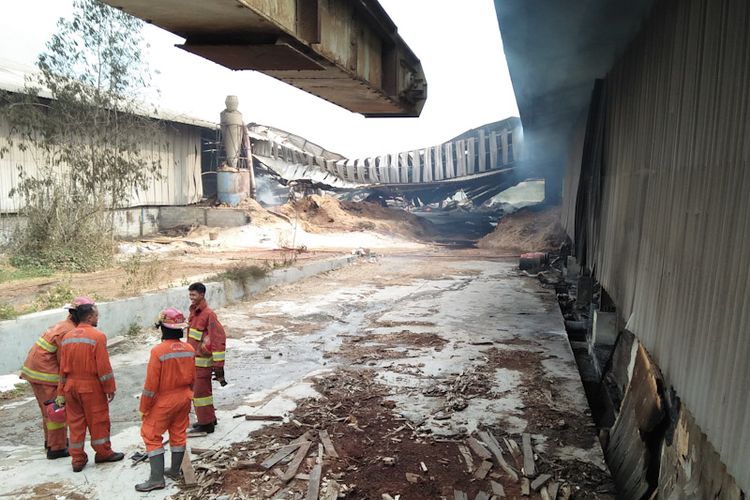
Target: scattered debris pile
{"type": "Point", "coordinates": [352, 443]}
{"type": "Point", "coordinates": [325, 213]}
{"type": "Point", "coordinates": [530, 229]}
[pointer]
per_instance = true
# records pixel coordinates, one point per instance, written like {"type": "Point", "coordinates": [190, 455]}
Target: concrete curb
{"type": "Point", "coordinates": [116, 317]}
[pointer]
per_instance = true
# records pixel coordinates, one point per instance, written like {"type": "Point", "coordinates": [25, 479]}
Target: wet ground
{"type": "Point", "coordinates": [439, 346]}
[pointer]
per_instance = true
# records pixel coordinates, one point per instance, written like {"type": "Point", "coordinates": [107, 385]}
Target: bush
{"type": "Point", "coordinates": [55, 297]}
{"type": "Point", "coordinates": [7, 311]}
{"type": "Point", "coordinates": [242, 273]}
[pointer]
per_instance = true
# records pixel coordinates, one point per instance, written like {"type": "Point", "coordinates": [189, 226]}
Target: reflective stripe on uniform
{"type": "Point", "coordinates": [177, 448]}
{"type": "Point", "coordinates": [41, 376]}
{"type": "Point", "coordinates": [149, 394]}
{"type": "Point", "coordinates": [158, 451]}
{"type": "Point", "coordinates": [79, 340]}
{"type": "Point", "coordinates": [195, 334]}
{"type": "Point", "coordinates": [207, 401]}
{"type": "Point", "coordinates": [203, 362]}
{"type": "Point", "coordinates": [106, 377]}
{"type": "Point", "coordinates": [54, 426]}
{"type": "Point", "coordinates": [94, 442]}
{"type": "Point", "coordinates": [218, 355]}
{"type": "Point", "coordinates": [46, 345]}
{"type": "Point", "coordinates": [76, 445]}
{"type": "Point", "coordinates": [176, 355]}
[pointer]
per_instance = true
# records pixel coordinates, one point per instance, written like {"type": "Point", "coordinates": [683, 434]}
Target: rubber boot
{"type": "Point", "coordinates": [55, 454]}
{"type": "Point", "coordinates": [156, 480]}
{"type": "Point", "coordinates": [174, 470]}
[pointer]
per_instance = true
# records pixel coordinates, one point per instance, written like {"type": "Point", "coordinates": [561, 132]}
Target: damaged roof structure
{"type": "Point", "coordinates": [638, 114]}
{"type": "Point", "coordinates": [481, 162]}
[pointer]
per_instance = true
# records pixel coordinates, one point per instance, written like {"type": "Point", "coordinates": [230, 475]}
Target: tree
{"type": "Point", "coordinates": [82, 120]}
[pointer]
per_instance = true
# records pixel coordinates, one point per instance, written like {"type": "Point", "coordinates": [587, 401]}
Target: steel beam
{"type": "Point", "coordinates": [348, 52]}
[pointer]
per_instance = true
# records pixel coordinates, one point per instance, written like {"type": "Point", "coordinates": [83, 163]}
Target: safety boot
{"type": "Point", "coordinates": [207, 428]}
{"type": "Point", "coordinates": [116, 456]}
{"type": "Point", "coordinates": [174, 470]}
{"type": "Point", "coordinates": [156, 480]}
{"type": "Point", "coordinates": [54, 454]}
{"type": "Point", "coordinates": [198, 427]}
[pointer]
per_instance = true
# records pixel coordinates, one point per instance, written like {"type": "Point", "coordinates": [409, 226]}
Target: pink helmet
{"type": "Point", "coordinates": [56, 413]}
{"type": "Point", "coordinates": [172, 318]}
{"type": "Point", "coordinates": [78, 301]}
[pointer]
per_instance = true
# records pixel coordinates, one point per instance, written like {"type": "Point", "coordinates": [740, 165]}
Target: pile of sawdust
{"type": "Point", "coordinates": [531, 229]}
{"type": "Point", "coordinates": [317, 214]}
{"type": "Point", "coordinates": [259, 216]}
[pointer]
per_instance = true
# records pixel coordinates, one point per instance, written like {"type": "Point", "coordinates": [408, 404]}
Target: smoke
{"type": "Point", "coordinates": [269, 192]}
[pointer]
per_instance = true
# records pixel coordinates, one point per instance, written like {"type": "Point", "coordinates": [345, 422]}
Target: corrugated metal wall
{"type": "Point", "coordinates": [178, 148]}
{"type": "Point", "coordinates": [673, 244]}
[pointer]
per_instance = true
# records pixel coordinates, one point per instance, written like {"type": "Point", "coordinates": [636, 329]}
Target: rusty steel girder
{"type": "Point", "coordinates": [347, 52]}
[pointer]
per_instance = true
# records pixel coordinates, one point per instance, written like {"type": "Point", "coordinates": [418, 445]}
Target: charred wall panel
{"type": "Point", "coordinates": [673, 240]}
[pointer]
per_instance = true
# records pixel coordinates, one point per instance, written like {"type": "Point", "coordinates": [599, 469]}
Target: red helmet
{"type": "Point", "coordinates": [56, 413]}
{"type": "Point", "coordinates": [172, 318]}
{"type": "Point", "coordinates": [78, 301]}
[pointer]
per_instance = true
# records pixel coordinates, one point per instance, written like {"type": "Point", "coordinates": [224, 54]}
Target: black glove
{"type": "Point", "coordinates": [219, 375]}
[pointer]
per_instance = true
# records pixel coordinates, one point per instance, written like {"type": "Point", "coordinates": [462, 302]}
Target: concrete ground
{"type": "Point", "coordinates": [448, 345]}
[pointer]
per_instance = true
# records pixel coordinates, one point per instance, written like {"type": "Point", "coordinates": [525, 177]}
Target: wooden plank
{"type": "Point", "coordinates": [280, 455]}
{"type": "Point", "coordinates": [515, 451]}
{"type": "Point", "coordinates": [483, 469]}
{"type": "Point", "coordinates": [539, 482]}
{"type": "Point", "coordinates": [459, 495]}
{"type": "Point", "coordinates": [188, 473]}
{"type": "Point", "coordinates": [467, 458]}
{"type": "Point", "coordinates": [492, 444]}
{"type": "Point", "coordinates": [478, 449]}
{"type": "Point", "coordinates": [552, 489]}
{"type": "Point", "coordinates": [525, 488]}
{"type": "Point", "coordinates": [497, 489]}
{"type": "Point", "coordinates": [328, 444]}
{"type": "Point", "coordinates": [296, 462]}
{"type": "Point", "coordinates": [269, 418]}
{"type": "Point", "coordinates": [313, 487]}
{"type": "Point", "coordinates": [332, 490]}
{"type": "Point", "coordinates": [482, 495]}
{"type": "Point", "coordinates": [529, 470]}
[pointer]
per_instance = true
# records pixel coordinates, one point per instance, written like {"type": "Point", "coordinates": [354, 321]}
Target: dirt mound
{"type": "Point", "coordinates": [531, 229]}
{"type": "Point", "coordinates": [318, 214]}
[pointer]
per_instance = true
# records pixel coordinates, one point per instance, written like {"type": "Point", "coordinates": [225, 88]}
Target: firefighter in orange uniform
{"type": "Point", "coordinates": [165, 402]}
{"type": "Point", "coordinates": [207, 337]}
{"type": "Point", "coordinates": [42, 370]}
{"type": "Point", "coordinates": [87, 386]}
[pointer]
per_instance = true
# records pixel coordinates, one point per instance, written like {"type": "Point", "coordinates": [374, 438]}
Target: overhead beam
{"type": "Point", "coordinates": [348, 52]}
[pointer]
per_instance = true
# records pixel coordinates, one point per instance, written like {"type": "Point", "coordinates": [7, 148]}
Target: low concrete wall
{"type": "Point", "coordinates": [213, 217]}
{"type": "Point", "coordinates": [115, 318]}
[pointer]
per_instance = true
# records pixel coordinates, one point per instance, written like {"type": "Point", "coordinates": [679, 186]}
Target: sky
{"type": "Point", "coordinates": [460, 50]}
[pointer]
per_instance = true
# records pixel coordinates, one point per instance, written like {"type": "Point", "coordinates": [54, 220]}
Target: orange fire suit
{"type": "Point", "coordinates": [85, 380]}
{"type": "Point", "coordinates": [207, 337]}
{"type": "Point", "coordinates": [167, 392]}
{"type": "Point", "coordinates": [41, 369]}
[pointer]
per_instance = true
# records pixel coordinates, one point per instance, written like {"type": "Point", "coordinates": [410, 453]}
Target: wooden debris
{"type": "Point", "coordinates": [188, 473]}
{"type": "Point", "coordinates": [313, 487]}
{"type": "Point", "coordinates": [553, 488]}
{"type": "Point", "coordinates": [459, 495]}
{"type": "Point", "coordinates": [412, 478]}
{"type": "Point", "coordinates": [514, 450]}
{"type": "Point", "coordinates": [483, 469]}
{"type": "Point", "coordinates": [529, 470]}
{"type": "Point", "coordinates": [199, 451]}
{"type": "Point", "coordinates": [482, 495]}
{"type": "Point", "coordinates": [298, 458]}
{"type": "Point", "coordinates": [478, 449]}
{"type": "Point", "coordinates": [263, 418]}
{"type": "Point", "coordinates": [196, 434]}
{"type": "Point", "coordinates": [539, 482]}
{"type": "Point", "coordinates": [467, 458]}
{"type": "Point", "coordinates": [328, 444]}
{"type": "Point", "coordinates": [544, 493]}
{"type": "Point", "coordinates": [389, 461]}
{"type": "Point", "coordinates": [489, 440]}
{"type": "Point", "coordinates": [280, 455]}
{"type": "Point", "coordinates": [332, 490]}
{"type": "Point", "coordinates": [497, 489]}
{"type": "Point", "coordinates": [423, 466]}
{"type": "Point", "coordinates": [386, 496]}
{"type": "Point", "coordinates": [565, 492]}
{"type": "Point", "coordinates": [525, 487]}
